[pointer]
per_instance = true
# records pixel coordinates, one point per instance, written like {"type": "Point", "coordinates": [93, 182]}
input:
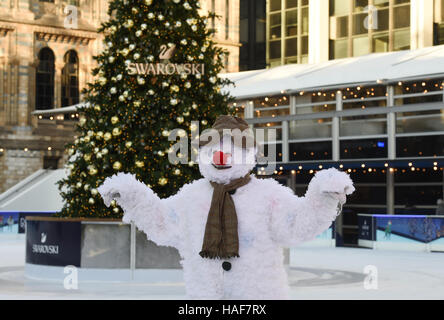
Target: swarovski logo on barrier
{"type": "Point", "coordinates": [166, 52]}
{"type": "Point", "coordinates": [43, 248]}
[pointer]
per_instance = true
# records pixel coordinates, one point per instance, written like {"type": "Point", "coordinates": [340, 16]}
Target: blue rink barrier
{"type": "Point", "coordinates": [18, 219]}
{"type": "Point", "coordinates": [401, 232]}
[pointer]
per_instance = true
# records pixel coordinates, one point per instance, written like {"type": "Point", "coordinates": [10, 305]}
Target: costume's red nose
{"type": "Point", "coordinates": [220, 158]}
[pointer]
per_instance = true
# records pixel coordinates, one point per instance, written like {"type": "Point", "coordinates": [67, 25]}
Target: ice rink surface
{"type": "Point", "coordinates": [317, 273]}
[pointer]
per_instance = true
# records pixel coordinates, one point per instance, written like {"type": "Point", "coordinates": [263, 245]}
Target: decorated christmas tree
{"type": "Point", "coordinates": [158, 73]}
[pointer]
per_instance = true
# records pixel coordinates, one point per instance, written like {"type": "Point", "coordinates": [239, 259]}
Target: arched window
{"type": "Point", "coordinates": [45, 80]}
{"type": "Point", "coordinates": [70, 79]}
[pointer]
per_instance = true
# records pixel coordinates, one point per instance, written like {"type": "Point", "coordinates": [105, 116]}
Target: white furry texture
{"type": "Point", "coordinates": [270, 217]}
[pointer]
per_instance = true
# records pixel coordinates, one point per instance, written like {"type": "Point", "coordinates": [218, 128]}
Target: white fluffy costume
{"type": "Point", "coordinates": [269, 217]}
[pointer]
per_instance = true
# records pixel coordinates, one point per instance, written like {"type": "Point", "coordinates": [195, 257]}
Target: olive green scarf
{"type": "Point", "coordinates": [221, 239]}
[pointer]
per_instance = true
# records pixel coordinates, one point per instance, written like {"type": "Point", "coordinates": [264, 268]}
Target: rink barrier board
{"type": "Point", "coordinates": [100, 249]}
{"type": "Point", "coordinates": [19, 218]}
{"type": "Point", "coordinates": [401, 232]}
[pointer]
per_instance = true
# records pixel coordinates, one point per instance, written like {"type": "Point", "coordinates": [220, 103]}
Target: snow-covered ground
{"type": "Point", "coordinates": [316, 273]}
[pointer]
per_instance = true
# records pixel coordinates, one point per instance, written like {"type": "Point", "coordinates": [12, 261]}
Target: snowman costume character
{"type": "Point", "coordinates": [265, 218]}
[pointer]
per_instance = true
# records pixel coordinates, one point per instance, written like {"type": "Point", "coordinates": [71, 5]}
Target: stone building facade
{"type": "Point", "coordinates": [41, 46]}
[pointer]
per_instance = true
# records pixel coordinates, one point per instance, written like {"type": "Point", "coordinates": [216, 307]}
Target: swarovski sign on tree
{"type": "Point", "coordinates": [158, 73]}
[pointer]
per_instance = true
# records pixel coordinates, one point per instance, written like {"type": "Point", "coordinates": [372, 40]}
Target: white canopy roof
{"type": "Point", "coordinates": [369, 69]}
{"type": "Point", "coordinates": [38, 192]}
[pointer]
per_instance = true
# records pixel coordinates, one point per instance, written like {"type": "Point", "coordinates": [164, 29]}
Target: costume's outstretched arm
{"type": "Point", "coordinates": [298, 219]}
{"type": "Point", "coordinates": [142, 206]}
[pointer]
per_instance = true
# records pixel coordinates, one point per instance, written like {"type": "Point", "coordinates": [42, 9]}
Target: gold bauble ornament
{"type": "Point", "coordinates": [139, 164]}
{"type": "Point", "coordinates": [117, 131]}
{"type": "Point", "coordinates": [114, 120]}
{"type": "Point", "coordinates": [163, 181]}
{"type": "Point", "coordinates": [117, 165]}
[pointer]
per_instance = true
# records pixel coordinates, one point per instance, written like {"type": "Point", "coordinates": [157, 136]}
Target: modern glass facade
{"type": "Point", "coordinates": [359, 27]}
{"type": "Point", "coordinates": [388, 137]}
{"type": "Point", "coordinates": [287, 32]}
{"type": "Point", "coordinates": [302, 31]}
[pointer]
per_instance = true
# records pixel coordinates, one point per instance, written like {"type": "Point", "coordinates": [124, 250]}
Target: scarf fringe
{"type": "Point", "coordinates": [213, 255]}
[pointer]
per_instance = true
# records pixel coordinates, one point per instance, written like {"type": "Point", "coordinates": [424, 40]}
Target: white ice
{"type": "Point", "coordinates": [316, 273]}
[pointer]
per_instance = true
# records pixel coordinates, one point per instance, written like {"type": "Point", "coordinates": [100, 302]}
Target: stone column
{"type": "Point", "coordinates": [23, 111]}
{"type": "Point", "coordinates": [2, 93]}
{"type": "Point", "coordinates": [58, 84]}
{"type": "Point", "coordinates": [32, 70]}
{"type": "Point", "coordinates": [13, 88]}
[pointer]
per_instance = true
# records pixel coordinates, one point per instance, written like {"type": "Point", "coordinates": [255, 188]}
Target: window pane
{"type": "Point", "coordinates": [381, 43]}
{"type": "Point", "coordinates": [383, 20]}
{"type": "Point", "coordinates": [362, 149]}
{"type": "Point", "coordinates": [304, 49]}
{"type": "Point", "coordinates": [420, 122]}
{"type": "Point", "coordinates": [275, 5]}
{"type": "Point", "coordinates": [339, 7]}
{"type": "Point", "coordinates": [339, 27]}
{"type": "Point", "coordinates": [291, 18]}
{"type": "Point", "coordinates": [338, 49]}
{"type": "Point", "coordinates": [439, 37]}
{"type": "Point", "coordinates": [363, 125]}
{"type": "Point", "coordinates": [304, 21]}
{"type": "Point", "coordinates": [292, 3]}
{"type": "Point", "coordinates": [275, 49]}
{"type": "Point", "coordinates": [291, 47]}
{"type": "Point", "coordinates": [402, 17]}
{"type": "Point", "coordinates": [368, 195]}
{"type": "Point", "coordinates": [311, 151]}
{"type": "Point", "coordinates": [417, 195]}
{"type": "Point", "coordinates": [359, 23]}
{"type": "Point", "coordinates": [360, 46]}
{"type": "Point", "coordinates": [401, 40]}
{"type": "Point", "coordinates": [359, 5]}
{"type": "Point", "coordinates": [275, 25]}
{"type": "Point", "coordinates": [428, 146]}
{"type": "Point", "coordinates": [381, 3]}
{"type": "Point", "coordinates": [307, 129]}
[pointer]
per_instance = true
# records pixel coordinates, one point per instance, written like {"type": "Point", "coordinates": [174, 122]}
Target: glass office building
{"type": "Point", "coordinates": [312, 31]}
{"type": "Point", "coordinates": [287, 32]}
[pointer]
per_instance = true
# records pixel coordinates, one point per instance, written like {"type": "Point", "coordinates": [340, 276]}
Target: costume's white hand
{"type": "Point", "coordinates": [336, 184]}
{"type": "Point", "coordinates": [109, 190]}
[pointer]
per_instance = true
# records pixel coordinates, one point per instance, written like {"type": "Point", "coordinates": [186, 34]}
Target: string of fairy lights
{"type": "Point", "coordinates": [433, 166]}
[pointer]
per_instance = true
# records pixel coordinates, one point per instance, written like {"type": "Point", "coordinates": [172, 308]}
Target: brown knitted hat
{"type": "Point", "coordinates": [236, 127]}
